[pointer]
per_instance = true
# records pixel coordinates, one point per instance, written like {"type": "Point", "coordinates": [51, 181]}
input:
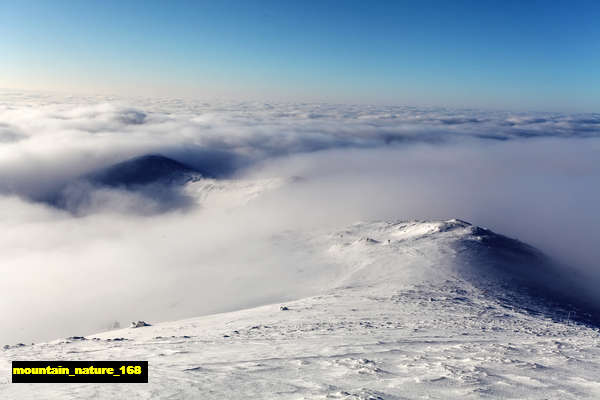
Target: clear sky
{"type": "Point", "coordinates": [531, 55]}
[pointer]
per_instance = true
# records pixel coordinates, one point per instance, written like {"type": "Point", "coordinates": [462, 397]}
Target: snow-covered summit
{"type": "Point", "coordinates": [434, 309]}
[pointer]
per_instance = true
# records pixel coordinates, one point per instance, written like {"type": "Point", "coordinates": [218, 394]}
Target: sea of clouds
{"type": "Point", "coordinates": [528, 175]}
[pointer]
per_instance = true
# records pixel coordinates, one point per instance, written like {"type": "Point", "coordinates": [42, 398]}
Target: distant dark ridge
{"type": "Point", "coordinates": [144, 170]}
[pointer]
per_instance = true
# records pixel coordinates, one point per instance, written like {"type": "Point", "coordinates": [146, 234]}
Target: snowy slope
{"type": "Point", "coordinates": [225, 193]}
{"type": "Point", "coordinates": [416, 310]}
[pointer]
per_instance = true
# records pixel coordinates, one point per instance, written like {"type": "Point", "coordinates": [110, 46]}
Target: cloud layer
{"type": "Point", "coordinates": [219, 139]}
{"type": "Point", "coordinates": [529, 175]}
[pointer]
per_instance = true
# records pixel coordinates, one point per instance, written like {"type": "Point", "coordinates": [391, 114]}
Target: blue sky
{"type": "Point", "coordinates": [529, 55]}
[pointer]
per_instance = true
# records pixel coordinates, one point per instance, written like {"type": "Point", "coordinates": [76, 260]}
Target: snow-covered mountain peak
{"type": "Point", "coordinates": [418, 309]}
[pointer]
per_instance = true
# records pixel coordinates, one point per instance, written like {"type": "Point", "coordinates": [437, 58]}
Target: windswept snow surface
{"type": "Point", "coordinates": [437, 310]}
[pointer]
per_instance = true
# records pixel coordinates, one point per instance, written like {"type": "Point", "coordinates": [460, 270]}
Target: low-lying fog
{"type": "Point", "coordinates": [533, 176]}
